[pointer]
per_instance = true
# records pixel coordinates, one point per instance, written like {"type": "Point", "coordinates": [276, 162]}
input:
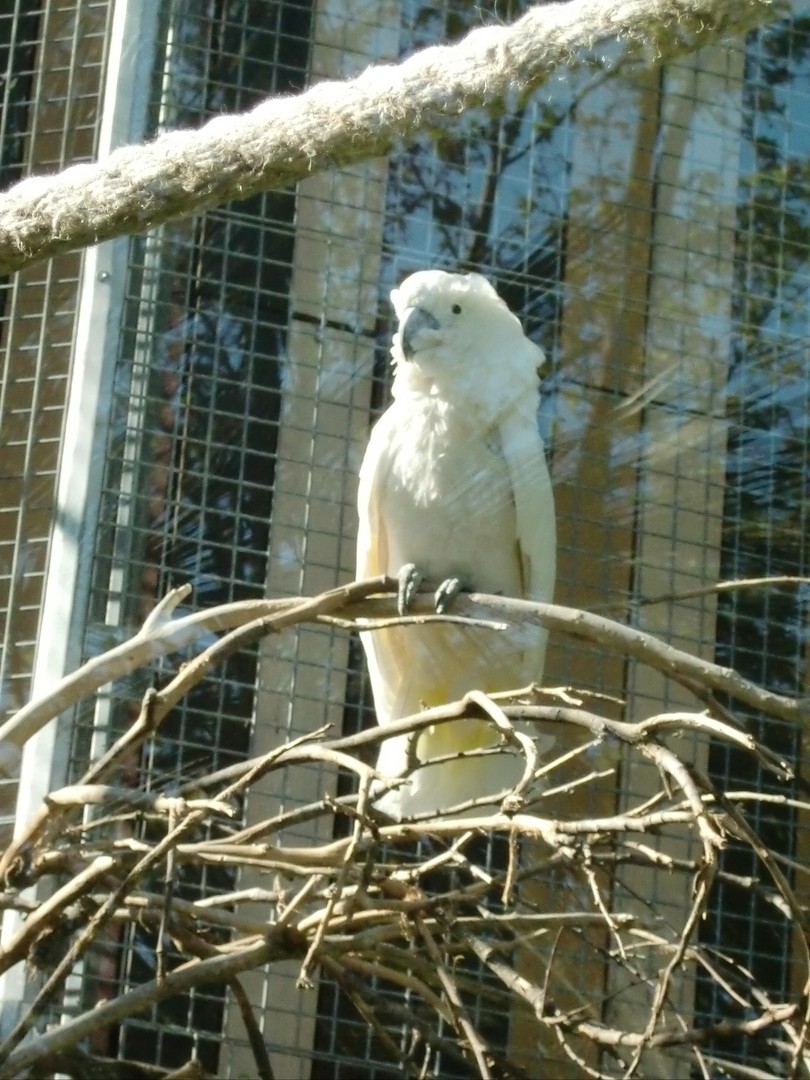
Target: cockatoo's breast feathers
{"type": "Point", "coordinates": [454, 331]}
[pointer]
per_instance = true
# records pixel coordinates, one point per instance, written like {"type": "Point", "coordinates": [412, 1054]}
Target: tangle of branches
{"type": "Point", "coordinates": [415, 922]}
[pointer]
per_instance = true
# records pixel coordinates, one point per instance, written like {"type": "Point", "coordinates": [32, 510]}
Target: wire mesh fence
{"type": "Point", "coordinates": [649, 228]}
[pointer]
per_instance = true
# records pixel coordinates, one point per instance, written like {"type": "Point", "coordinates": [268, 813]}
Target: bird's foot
{"type": "Point", "coordinates": [447, 592]}
{"type": "Point", "coordinates": [410, 578]}
{"type": "Point", "coordinates": [408, 581]}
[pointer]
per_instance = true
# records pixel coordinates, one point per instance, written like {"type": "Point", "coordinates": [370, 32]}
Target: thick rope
{"type": "Point", "coordinates": [283, 140]}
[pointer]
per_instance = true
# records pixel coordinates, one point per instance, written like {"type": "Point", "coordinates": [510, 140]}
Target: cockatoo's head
{"type": "Point", "coordinates": [454, 332]}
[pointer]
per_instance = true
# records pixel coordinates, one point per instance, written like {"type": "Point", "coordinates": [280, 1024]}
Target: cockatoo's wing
{"type": "Point", "coordinates": [388, 666]}
{"type": "Point", "coordinates": [534, 505]}
{"type": "Point", "coordinates": [372, 546]}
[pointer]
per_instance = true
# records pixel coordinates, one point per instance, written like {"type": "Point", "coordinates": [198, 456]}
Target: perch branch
{"type": "Point", "coordinates": [285, 944]}
{"type": "Point", "coordinates": [360, 600]}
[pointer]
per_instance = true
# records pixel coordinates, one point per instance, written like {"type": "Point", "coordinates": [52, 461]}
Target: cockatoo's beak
{"type": "Point", "coordinates": [413, 326]}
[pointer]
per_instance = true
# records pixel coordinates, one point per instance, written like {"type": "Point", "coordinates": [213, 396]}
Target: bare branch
{"type": "Point", "coordinates": [366, 913]}
{"type": "Point", "coordinates": [284, 945]}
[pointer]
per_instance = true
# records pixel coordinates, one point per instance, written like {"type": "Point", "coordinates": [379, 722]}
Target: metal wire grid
{"type": "Point", "coordinates": [48, 119]}
{"type": "Point", "coordinates": [188, 488]}
{"type": "Point", "coordinates": [765, 634]}
{"type": "Point", "coordinates": [190, 480]}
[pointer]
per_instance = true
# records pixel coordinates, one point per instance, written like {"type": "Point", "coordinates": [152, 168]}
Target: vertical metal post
{"type": "Point", "coordinates": [130, 51]}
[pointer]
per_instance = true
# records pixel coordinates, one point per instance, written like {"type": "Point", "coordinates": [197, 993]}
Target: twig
{"type": "Point", "coordinates": [461, 1019]}
{"type": "Point", "coordinates": [615, 637]}
{"type": "Point", "coordinates": [104, 913]}
{"type": "Point", "coordinates": [669, 763]}
{"type": "Point", "coordinates": [799, 914]}
{"type": "Point", "coordinates": [166, 913]}
{"type": "Point", "coordinates": [523, 743]}
{"type": "Point", "coordinates": [304, 981]}
{"type": "Point", "coordinates": [144, 726]}
{"type": "Point", "coordinates": [202, 949]}
{"type": "Point", "coordinates": [400, 1014]}
{"type": "Point", "coordinates": [78, 1063]}
{"type": "Point", "coordinates": [358, 600]}
{"type": "Point", "coordinates": [174, 635]}
{"type": "Point", "coordinates": [721, 587]}
{"type": "Point", "coordinates": [601, 906]}
{"type": "Point", "coordinates": [703, 880]}
{"type": "Point", "coordinates": [405, 979]}
{"type": "Point", "coordinates": [285, 944]}
{"type": "Point", "coordinates": [48, 910]}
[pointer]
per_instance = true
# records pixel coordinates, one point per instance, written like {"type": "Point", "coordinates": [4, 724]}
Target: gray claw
{"type": "Point", "coordinates": [446, 594]}
{"type": "Point", "coordinates": [408, 581]}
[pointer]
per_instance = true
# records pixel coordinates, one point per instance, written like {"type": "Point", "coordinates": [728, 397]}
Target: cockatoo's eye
{"type": "Point", "coordinates": [456, 309]}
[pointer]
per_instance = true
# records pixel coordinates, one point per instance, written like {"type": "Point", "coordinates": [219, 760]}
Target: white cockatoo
{"type": "Point", "coordinates": [454, 483]}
